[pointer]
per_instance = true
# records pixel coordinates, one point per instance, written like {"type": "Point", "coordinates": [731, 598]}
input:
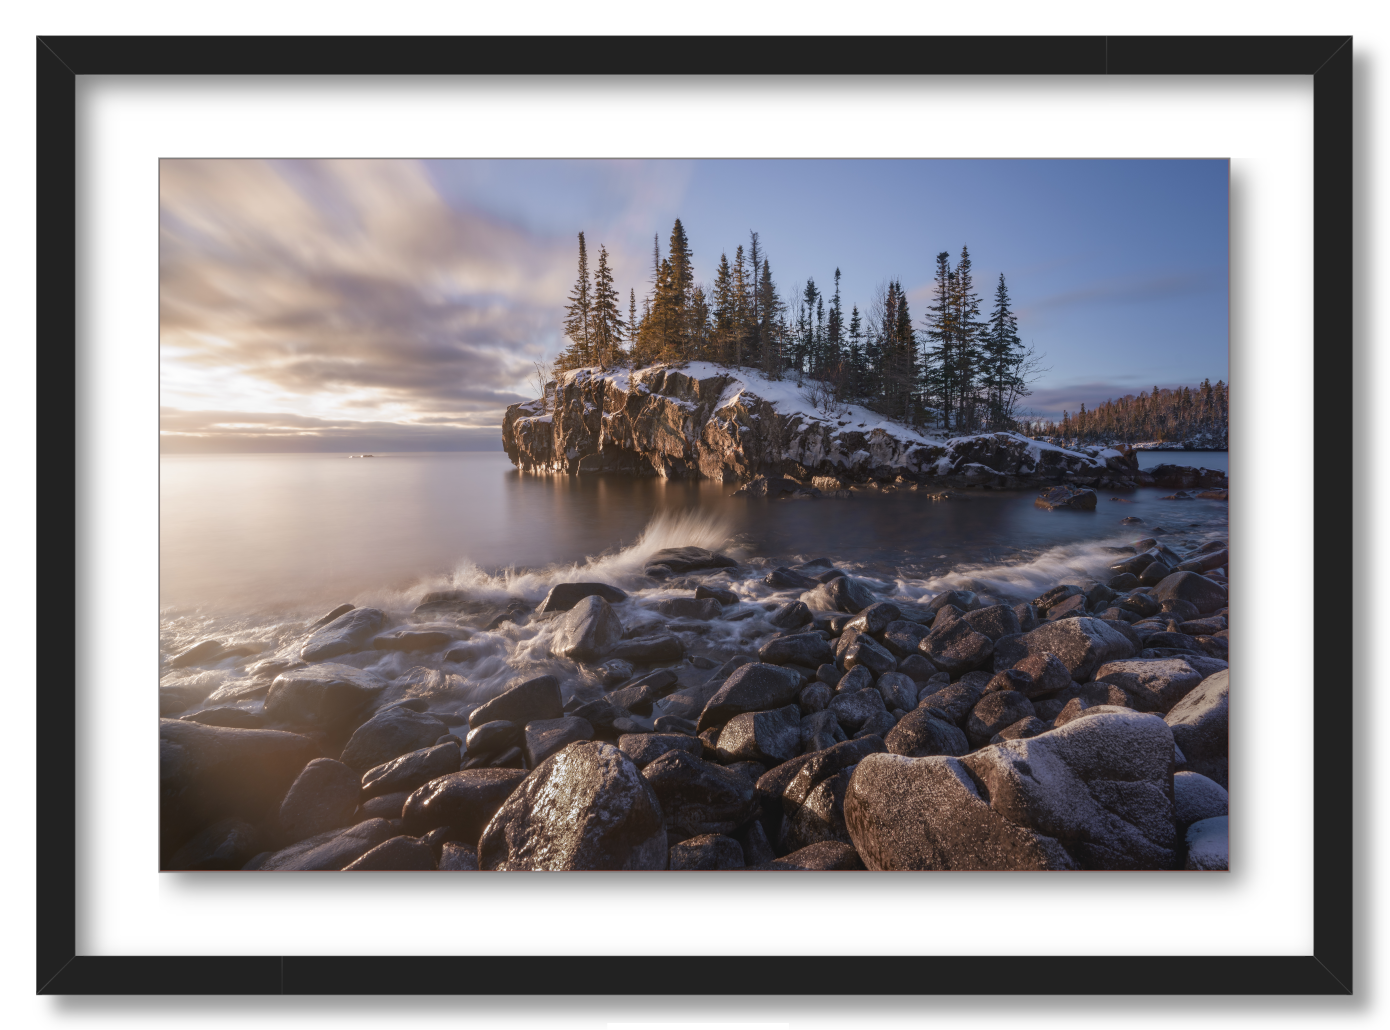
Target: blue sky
{"type": "Point", "coordinates": [399, 305]}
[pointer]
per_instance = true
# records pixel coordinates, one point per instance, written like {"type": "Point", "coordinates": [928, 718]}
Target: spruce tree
{"type": "Point", "coordinates": [858, 373]}
{"type": "Point", "coordinates": [725, 312]}
{"type": "Point", "coordinates": [606, 330]}
{"type": "Point", "coordinates": [744, 326]}
{"type": "Point", "coordinates": [578, 315]}
{"type": "Point", "coordinates": [1003, 352]}
{"type": "Point", "coordinates": [939, 374]}
{"type": "Point", "coordinates": [967, 342]}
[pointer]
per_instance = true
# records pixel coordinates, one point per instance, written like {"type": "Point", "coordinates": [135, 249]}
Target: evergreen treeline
{"type": "Point", "coordinates": [961, 370]}
{"type": "Point", "coordinates": [1183, 415]}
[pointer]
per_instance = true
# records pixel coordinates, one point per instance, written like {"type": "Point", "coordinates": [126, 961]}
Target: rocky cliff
{"type": "Point", "coordinates": [700, 420]}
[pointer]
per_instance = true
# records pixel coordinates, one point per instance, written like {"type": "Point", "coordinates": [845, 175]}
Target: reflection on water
{"type": "Point", "coordinates": [251, 531]}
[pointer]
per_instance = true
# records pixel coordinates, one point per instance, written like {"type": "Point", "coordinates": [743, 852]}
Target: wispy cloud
{"type": "Point", "coordinates": [220, 431]}
{"type": "Point", "coordinates": [1130, 290]}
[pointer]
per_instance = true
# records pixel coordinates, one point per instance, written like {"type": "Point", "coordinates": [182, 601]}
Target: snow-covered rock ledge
{"type": "Point", "coordinates": [700, 420]}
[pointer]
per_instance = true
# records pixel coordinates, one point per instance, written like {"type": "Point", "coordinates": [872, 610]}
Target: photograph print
{"type": "Point", "coordinates": [777, 515]}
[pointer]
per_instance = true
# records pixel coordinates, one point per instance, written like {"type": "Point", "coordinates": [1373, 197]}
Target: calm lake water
{"type": "Point", "coordinates": [241, 532]}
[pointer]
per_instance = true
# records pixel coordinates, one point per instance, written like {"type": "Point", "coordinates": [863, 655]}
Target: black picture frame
{"type": "Point", "coordinates": [1327, 59]}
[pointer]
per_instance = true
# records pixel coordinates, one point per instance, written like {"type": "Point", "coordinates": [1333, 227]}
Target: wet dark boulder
{"type": "Point", "coordinates": [1068, 609]}
{"type": "Point", "coordinates": [411, 639]}
{"type": "Point", "coordinates": [456, 857]}
{"type": "Point", "coordinates": [789, 579]}
{"type": "Point", "coordinates": [1200, 726]}
{"type": "Point", "coordinates": [874, 619]}
{"type": "Point", "coordinates": [927, 813]}
{"type": "Point", "coordinates": [790, 615]}
{"type": "Point", "coordinates": [1027, 616]}
{"type": "Point", "coordinates": [716, 594]}
{"type": "Point", "coordinates": [207, 773]}
{"type": "Point", "coordinates": [857, 678]}
{"type": "Point", "coordinates": [398, 853]}
{"type": "Point", "coordinates": [1015, 679]}
{"type": "Point", "coordinates": [954, 646]}
{"type": "Point", "coordinates": [537, 698]}
{"type": "Point", "coordinates": [754, 687]}
{"type": "Point", "coordinates": [1197, 797]}
{"type": "Point", "coordinates": [815, 697]}
{"type": "Point", "coordinates": [953, 702]}
{"type": "Point", "coordinates": [199, 654]}
{"type": "Point", "coordinates": [701, 609]}
{"type": "Point", "coordinates": [1143, 604]}
{"type": "Point", "coordinates": [639, 695]}
{"type": "Point", "coordinates": [1172, 641]}
{"type": "Point", "coordinates": [820, 730]}
{"type": "Point", "coordinates": [1123, 582]}
{"type": "Point", "coordinates": [687, 559]}
{"type": "Point", "coordinates": [1155, 573]}
{"type": "Point", "coordinates": [411, 770]}
{"type": "Point", "coordinates": [226, 844]}
{"type": "Point", "coordinates": [650, 649]}
{"type": "Point", "coordinates": [544, 737]}
{"type": "Point", "coordinates": [464, 801]}
{"type": "Point", "coordinates": [1029, 727]}
{"type": "Point", "coordinates": [492, 738]}
{"type": "Point", "coordinates": [387, 806]}
{"type": "Point", "coordinates": [1082, 645]}
{"type": "Point", "coordinates": [349, 632]}
{"type": "Point", "coordinates": [1044, 601]}
{"type": "Point", "coordinates": [820, 817]}
{"type": "Point", "coordinates": [587, 807]}
{"type": "Point", "coordinates": [921, 732]}
{"type": "Point", "coordinates": [697, 796]}
{"type": "Point", "coordinates": [645, 748]}
{"type": "Point", "coordinates": [769, 737]}
{"type": "Point", "coordinates": [962, 600]}
{"type": "Point", "coordinates": [588, 631]}
{"type": "Point", "coordinates": [757, 849]}
{"type": "Point", "coordinates": [918, 668]}
{"type": "Point", "coordinates": [809, 649]}
{"type": "Point", "coordinates": [823, 856]}
{"type": "Point", "coordinates": [332, 850]}
{"type": "Point", "coordinates": [324, 795]}
{"type": "Point", "coordinates": [1203, 562]}
{"type": "Point", "coordinates": [1152, 684]}
{"type": "Point", "coordinates": [230, 716]}
{"type": "Point", "coordinates": [855, 708]}
{"type": "Point", "coordinates": [994, 712]}
{"type": "Point", "coordinates": [707, 851]}
{"type": "Point", "coordinates": [1205, 594]}
{"type": "Point", "coordinates": [869, 653]}
{"type": "Point", "coordinates": [902, 638]}
{"type": "Point", "coordinates": [564, 596]}
{"type": "Point", "coordinates": [1068, 498]}
{"type": "Point", "coordinates": [898, 691]}
{"type": "Point", "coordinates": [996, 621]}
{"type": "Point", "coordinates": [814, 768]}
{"type": "Point", "coordinates": [388, 734]}
{"type": "Point", "coordinates": [326, 694]}
{"type": "Point", "coordinates": [841, 594]}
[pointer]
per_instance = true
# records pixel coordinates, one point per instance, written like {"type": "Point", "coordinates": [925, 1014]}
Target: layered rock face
{"type": "Point", "coordinates": [704, 421]}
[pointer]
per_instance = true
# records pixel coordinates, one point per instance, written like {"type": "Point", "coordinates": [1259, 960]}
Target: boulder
{"type": "Point", "coordinates": [994, 712]}
{"type": "Point", "coordinates": [639, 695]}
{"type": "Point", "coordinates": [702, 609]}
{"type": "Point", "coordinates": [493, 738]}
{"type": "Point", "coordinates": [754, 687]}
{"type": "Point", "coordinates": [825, 855]}
{"type": "Point", "coordinates": [564, 596]}
{"type": "Point", "coordinates": [388, 734]}
{"type": "Point", "coordinates": [544, 737]}
{"type": "Point", "coordinates": [1068, 609]}
{"type": "Point", "coordinates": [1155, 573]}
{"type": "Point", "coordinates": [698, 796]}
{"type": "Point", "coordinates": [456, 857]}
{"type": "Point", "coordinates": [1205, 594]}
{"type": "Point", "coordinates": [237, 718]}
{"type": "Point", "coordinates": [323, 796]}
{"type": "Point", "coordinates": [876, 618]}
{"type": "Point", "coordinates": [387, 806]}
{"type": "Point", "coordinates": [918, 668]}
{"type": "Point", "coordinates": [398, 853]}
{"type": "Point", "coordinates": [408, 639]}
{"type": "Point", "coordinates": [716, 594]}
{"type": "Point", "coordinates": [198, 654]}
{"type": "Point", "coordinates": [963, 600]}
{"type": "Point", "coordinates": [1044, 601]}
{"type": "Point", "coordinates": [955, 646]}
{"type": "Point", "coordinates": [921, 733]}
{"type": "Point", "coordinates": [769, 737]}
{"type": "Point", "coordinates": [867, 652]}
{"type": "Point", "coordinates": [226, 844]}
{"type": "Point", "coordinates": [1197, 797]}
{"type": "Point", "coordinates": [350, 631]}
{"type": "Point", "coordinates": [996, 621]}
{"type": "Point", "coordinates": [790, 615]}
{"type": "Point", "coordinates": [878, 724]}
{"type": "Point", "coordinates": [1082, 645]}
{"type": "Point", "coordinates": [535, 699]}
{"type": "Point", "coordinates": [1016, 680]}
{"type": "Point", "coordinates": [855, 708]}
{"type": "Point", "coordinates": [688, 559]}
{"type": "Point", "coordinates": [411, 770]}
{"type": "Point", "coordinates": [1029, 727]}
{"type": "Point", "coordinates": [587, 807]}
{"type": "Point", "coordinates": [464, 800]}
{"type": "Point", "coordinates": [588, 631]}
{"type": "Point", "coordinates": [707, 851]}
{"type": "Point", "coordinates": [332, 850]}
{"type": "Point", "coordinates": [1208, 844]}
{"type": "Point", "coordinates": [757, 849]}
{"type": "Point", "coordinates": [342, 609]}
{"type": "Point", "coordinates": [207, 773]}
{"type": "Point", "coordinates": [953, 702]}
{"type": "Point", "coordinates": [898, 691]}
{"type": "Point", "coordinates": [902, 638]}
{"type": "Point", "coordinates": [326, 694]}
{"type": "Point", "coordinates": [841, 594]}
{"type": "Point", "coordinates": [1199, 723]}
{"type": "Point", "coordinates": [820, 817]}
{"type": "Point", "coordinates": [858, 678]}
{"type": "Point", "coordinates": [820, 730]}
{"type": "Point", "coordinates": [1153, 684]}
{"type": "Point", "coordinates": [810, 649]}
{"type": "Point", "coordinates": [649, 650]}
{"type": "Point", "coordinates": [645, 748]}
{"type": "Point", "coordinates": [1067, 497]}
{"type": "Point", "coordinates": [788, 579]}
{"type": "Point", "coordinates": [815, 697]}
{"type": "Point", "coordinates": [813, 769]}
{"type": "Point", "coordinates": [1124, 581]}
{"type": "Point", "coordinates": [1027, 616]}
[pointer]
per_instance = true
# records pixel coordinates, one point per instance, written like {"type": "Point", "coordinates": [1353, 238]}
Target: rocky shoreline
{"type": "Point", "coordinates": [851, 728]}
{"type": "Point", "coordinates": [702, 421]}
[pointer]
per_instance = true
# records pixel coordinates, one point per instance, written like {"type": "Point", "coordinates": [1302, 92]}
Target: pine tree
{"type": "Point", "coordinates": [771, 326]}
{"type": "Point", "coordinates": [607, 326]}
{"type": "Point", "coordinates": [857, 376]}
{"type": "Point", "coordinates": [939, 378]}
{"type": "Point", "coordinates": [967, 342]}
{"type": "Point", "coordinates": [1003, 352]}
{"type": "Point", "coordinates": [724, 331]}
{"type": "Point", "coordinates": [578, 315]}
{"type": "Point", "coordinates": [757, 348]}
{"type": "Point", "coordinates": [834, 331]}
